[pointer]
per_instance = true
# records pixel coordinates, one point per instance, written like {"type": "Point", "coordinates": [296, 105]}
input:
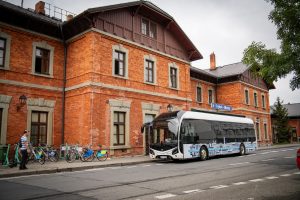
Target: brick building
{"type": "Point", "coordinates": [96, 78]}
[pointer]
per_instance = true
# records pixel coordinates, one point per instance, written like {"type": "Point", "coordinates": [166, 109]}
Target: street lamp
{"type": "Point", "coordinates": [22, 102]}
{"type": "Point", "coordinates": [170, 108]}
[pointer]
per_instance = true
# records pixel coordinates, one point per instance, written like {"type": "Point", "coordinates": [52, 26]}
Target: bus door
{"type": "Point", "coordinates": [148, 132]}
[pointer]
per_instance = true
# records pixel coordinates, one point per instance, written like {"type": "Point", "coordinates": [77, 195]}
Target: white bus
{"type": "Point", "coordinates": [187, 134]}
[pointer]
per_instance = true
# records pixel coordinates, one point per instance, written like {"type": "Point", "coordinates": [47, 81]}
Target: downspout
{"type": "Point", "coordinates": [64, 88]}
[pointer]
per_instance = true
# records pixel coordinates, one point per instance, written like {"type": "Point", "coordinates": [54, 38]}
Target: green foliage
{"type": "Point", "coordinates": [269, 64]}
{"type": "Point", "coordinates": [281, 122]}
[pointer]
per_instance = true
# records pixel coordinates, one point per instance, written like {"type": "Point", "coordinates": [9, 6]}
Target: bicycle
{"type": "Point", "coordinates": [101, 154]}
{"type": "Point", "coordinates": [17, 158]}
{"type": "Point", "coordinates": [86, 154]}
{"type": "Point", "coordinates": [50, 153]}
{"type": "Point", "coordinates": [36, 154]}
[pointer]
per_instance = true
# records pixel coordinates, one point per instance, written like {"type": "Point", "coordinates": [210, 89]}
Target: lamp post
{"type": "Point", "coordinates": [22, 102]}
{"type": "Point", "coordinates": [170, 108]}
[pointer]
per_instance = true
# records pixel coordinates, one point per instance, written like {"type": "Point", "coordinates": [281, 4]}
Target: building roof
{"type": "Point", "coordinates": [228, 70]}
{"type": "Point", "coordinates": [293, 109]}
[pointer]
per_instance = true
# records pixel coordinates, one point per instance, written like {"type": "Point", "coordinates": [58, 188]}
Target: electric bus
{"type": "Point", "coordinates": [188, 134]}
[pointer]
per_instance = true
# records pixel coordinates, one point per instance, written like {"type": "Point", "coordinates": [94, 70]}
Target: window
{"type": "Point", "coordinates": [263, 101]}
{"type": "Point", "coordinates": [148, 28]}
{"type": "Point", "coordinates": [257, 131]}
{"type": "Point", "coordinates": [42, 57]}
{"type": "Point", "coordinates": [173, 77]}
{"type": "Point", "coordinates": [2, 51]}
{"type": "Point", "coordinates": [149, 71]}
{"type": "Point", "coordinates": [247, 97]}
{"type": "Point", "coordinates": [119, 58]}
{"type": "Point", "coordinates": [210, 96]}
{"type": "Point", "coordinates": [119, 128]}
{"type": "Point", "coordinates": [266, 131]}
{"type": "Point", "coordinates": [199, 94]}
{"type": "Point", "coordinates": [1, 111]}
{"type": "Point", "coordinates": [39, 128]}
{"type": "Point", "coordinates": [255, 99]}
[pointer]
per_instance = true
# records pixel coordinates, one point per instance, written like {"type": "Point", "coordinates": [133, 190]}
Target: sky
{"type": "Point", "coordinates": [225, 27]}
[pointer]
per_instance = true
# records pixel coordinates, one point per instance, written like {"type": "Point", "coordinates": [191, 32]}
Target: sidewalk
{"type": "Point", "coordinates": [63, 166]}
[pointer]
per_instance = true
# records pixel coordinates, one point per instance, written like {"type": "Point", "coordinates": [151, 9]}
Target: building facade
{"type": "Point", "coordinates": [96, 78]}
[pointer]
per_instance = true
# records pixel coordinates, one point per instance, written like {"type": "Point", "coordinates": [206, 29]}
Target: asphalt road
{"type": "Point", "coordinates": [265, 175]}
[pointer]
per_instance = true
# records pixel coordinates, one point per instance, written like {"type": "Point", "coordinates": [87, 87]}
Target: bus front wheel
{"type": "Point", "coordinates": [203, 153]}
{"type": "Point", "coordinates": [242, 150]}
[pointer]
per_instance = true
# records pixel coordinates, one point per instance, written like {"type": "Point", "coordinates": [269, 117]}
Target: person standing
{"type": "Point", "coordinates": [24, 143]}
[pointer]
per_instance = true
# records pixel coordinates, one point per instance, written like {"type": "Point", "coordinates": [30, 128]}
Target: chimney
{"type": "Point", "coordinates": [212, 61]}
{"type": "Point", "coordinates": [40, 7]}
{"type": "Point", "coordinates": [69, 17]}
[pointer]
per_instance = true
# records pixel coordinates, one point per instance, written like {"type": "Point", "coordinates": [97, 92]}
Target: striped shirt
{"type": "Point", "coordinates": [24, 142]}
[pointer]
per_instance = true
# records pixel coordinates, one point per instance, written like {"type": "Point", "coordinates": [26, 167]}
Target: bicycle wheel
{"type": "Point", "coordinates": [102, 157]}
{"type": "Point", "coordinates": [42, 159]}
{"type": "Point", "coordinates": [53, 156]}
{"type": "Point", "coordinates": [70, 157]}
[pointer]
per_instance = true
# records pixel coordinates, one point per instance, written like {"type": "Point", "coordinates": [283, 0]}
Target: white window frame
{"type": "Point", "coordinates": [246, 89]}
{"type": "Point", "coordinates": [4, 104]}
{"type": "Point", "coordinates": [213, 95]}
{"type": "Point", "coordinates": [173, 65]}
{"type": "Point", "coordinates": [7, 50]}
{"type": "Point", "coordinates": [119, 106]}
{"type": "Point", "coordinates": [255, 92]}
{"type": "Point", "coordinates": [43, 45]}
{"type": "Point", "coordinates": [266, 130]}
{"type": "Point", "coordinates": [263, 101]}
{"type": "Point", "coordinates": [152, 59]}
{"type": "Point", "coordinates": [199, 86]}
{"type": "Point", "coordinates": [122, 49]}
{"type": "Point", "coordinates": [42, 105]}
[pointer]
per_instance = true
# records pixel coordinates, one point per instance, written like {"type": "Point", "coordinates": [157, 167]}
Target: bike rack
{"type": "Point", "coordinates": [6, 161]}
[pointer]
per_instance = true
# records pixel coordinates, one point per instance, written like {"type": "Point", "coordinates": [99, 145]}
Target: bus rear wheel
{"type": "Point", "coordinates": [242, 150]}
{"type": "Point", "coordinates": [203, 153]}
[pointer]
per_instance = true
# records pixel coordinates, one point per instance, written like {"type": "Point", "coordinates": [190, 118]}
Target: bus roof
{"type": "Point", "coordinates": [215, 117]}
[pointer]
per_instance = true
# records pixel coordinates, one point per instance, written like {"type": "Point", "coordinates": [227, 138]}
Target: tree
{"type": "Point", "coordinates": [281, 121]}
{"type": "Point", "coordinates": [269, 64]}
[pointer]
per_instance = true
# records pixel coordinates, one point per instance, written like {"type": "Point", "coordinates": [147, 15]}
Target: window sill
{"type": "Point", "coordinates": [4, 68]}
{"type": "Point", "coordinates": [177, 89]}
{"type": "Point", "coordinates": [121, 77]}
{"type": "Point", "coordinates": [149, 83]}
{"type": "Point", "coordinates": [119, 147]}
{"type": "Point", "coordinates": [43, 75]}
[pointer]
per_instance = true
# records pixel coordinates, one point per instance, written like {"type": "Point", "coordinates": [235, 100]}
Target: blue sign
{"type": "Point", "coordinates": [221, 107]}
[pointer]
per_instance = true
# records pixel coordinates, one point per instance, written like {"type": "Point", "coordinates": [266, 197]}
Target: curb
{"type": "Point", "coordinates": [69, 169]}
{"type": "Point", "coordinates": [278, 147]}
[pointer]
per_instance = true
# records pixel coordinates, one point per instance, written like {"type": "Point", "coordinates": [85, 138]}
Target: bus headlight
{"type": "Point", "coordinates": [151, 151]}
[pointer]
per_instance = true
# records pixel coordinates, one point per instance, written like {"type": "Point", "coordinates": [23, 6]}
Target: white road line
{"type": "Point", "coordinates": [165, 196]}
{"type": "Point", "coordinates": [115, 167]}
{"type": "Point", "coordinates": [146, 165]}
{"type": "Point", "coordinates": [218, 187]}
{"type": "Point", "coordinates": [268, 160]}
{"type": "Point", "coordinates": [95, 169]}
{"type": "Point", "coordinates": [159, 164]}
{"type": "Point", "coordinates": [242, 163]}
{"type": "Point", "coordinates": [290, 149]}
{"type": "Point", "coordinates": [265, 152]}
{"type": "Point", "coordinates": [285, 175]}
{"type": "Point", "coordinates": [297, 173]}
{"type": "Point", "coordinates": [274, 151]}
{"type": "Point", "coordinates": [240, 183]}
{"type": "Point", "coordinates": [251, 155]}
{"type": "Point", "coordinates": [193, 191]}
{"type": "Point", "coordinates": [131, 166]}
{"type": "Point", "coordinates": [283, 150]}
{"type": "Point", "coordinates": [290, 157]}
{"type": "Point", "coordinates": [272, 177]}
{"type": "Point", "coordinates": [256, 180]}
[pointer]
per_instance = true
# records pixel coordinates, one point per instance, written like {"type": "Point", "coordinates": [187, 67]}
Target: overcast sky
{"type": "Point", "coordinates": [225, 27]}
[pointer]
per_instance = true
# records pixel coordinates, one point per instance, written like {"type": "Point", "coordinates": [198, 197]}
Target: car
{"type": "Point", "coordinates": [298, 158]}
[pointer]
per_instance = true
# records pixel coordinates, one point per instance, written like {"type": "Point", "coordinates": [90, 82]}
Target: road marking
{"type": "Point", "coordinates": [290, 157]}
{"type": "Point", "coordinates": [96, 169]}
{"type": "Point", "coordinates": [146, 165]}
{"type": "Point", "coordinates": [283, 150]}
{"type": "Point", "coordinates": [265, 152]}
{"type": "Point", "coordinates": [159, 164]}
{"type": "Point", "coordinates": [165, 196]}
{"type": "Point", "coordinates": [242, 163]}
{"type": "Point", "coordinates": [290, 149]}
{"type": "Point", "coordinates": [285, 175]}
{"type": "Point", "coordinates": [193, 191]}
{"type": "Point", "coordinates": [268, 160]}
{"type": "Point", "coordinates": [131, 166]}
{"type": "Point", "coordinates": [272, 177]}
{"type": "Point", "coordinates": [218, 187]}
{"type": "Point", "coordinates": [256, 180]}
{"type": "Point", "coordinates": [251, 155]}
{"type": "Point", "coordinates": [297, 173]}
{"type": "Point", "coordinates": [115, 167]}
{"type": "Point", "coordinates": [240, 183]}
{"type": "Point", "coordinates": [274, 151]}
